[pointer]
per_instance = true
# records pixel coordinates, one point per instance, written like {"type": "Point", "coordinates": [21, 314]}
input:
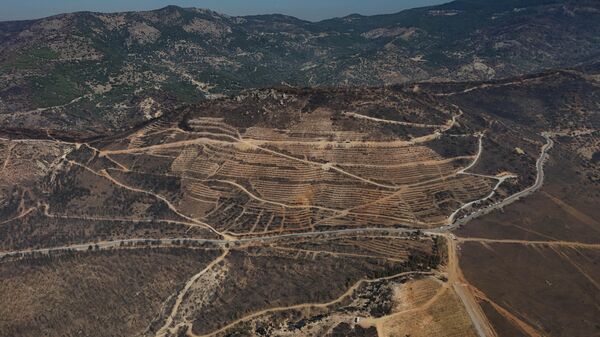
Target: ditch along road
{"type": "Point", "coordinates": [455, 278]}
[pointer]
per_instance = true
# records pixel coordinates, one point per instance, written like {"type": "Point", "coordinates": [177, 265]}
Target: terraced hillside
{"type": "Point", "coordinates": [158, 178]}
{"type": "Point", "coordinates": [275, 162]}
{"type": "Point", "coordinates": [312, 211]}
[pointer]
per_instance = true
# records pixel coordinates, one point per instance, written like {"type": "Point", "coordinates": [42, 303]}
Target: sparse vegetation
{"type": "Point", "coordinates": [153, 183]}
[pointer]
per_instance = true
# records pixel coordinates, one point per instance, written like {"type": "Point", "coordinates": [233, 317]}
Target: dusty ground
{"type": "Point", "coordinates": [535, 284]}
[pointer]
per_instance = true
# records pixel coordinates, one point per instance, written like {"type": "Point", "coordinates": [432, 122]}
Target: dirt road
{"type": "Point", "coordinates": [461, 287]}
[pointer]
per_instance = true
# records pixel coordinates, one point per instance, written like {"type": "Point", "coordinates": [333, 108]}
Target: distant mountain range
{"type": "Point", "coordinates": [96, 72]}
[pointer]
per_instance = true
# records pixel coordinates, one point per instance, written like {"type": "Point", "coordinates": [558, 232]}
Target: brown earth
{"type": "Point", "coordinates": [536, 284]}
{"type": "Point", "coordinates": [564, 210]}
{"type": "Point", "coordinates": [104, 293]}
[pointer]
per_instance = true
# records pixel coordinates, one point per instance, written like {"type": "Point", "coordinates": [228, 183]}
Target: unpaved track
{"type": "Point", "coordinates": [282, 205]}
{"type": "Point", "coordinates": [493, 85]}
{"type": "Point", "coordinates": [21, 215]}
{"type": "Point", "coordinates": [387, 121]}
{"type": "Point", "coordinates": [528, 329]}
{"type": "Point", "coordinates": [345, 295]}
{"type": "Point", "coordinates": [456, 279]}
{"type": "Point", "coordinates": [578, 267]}
{"type": "Point", "coordinates": [336, 254]}
{"type": "Point", "coordinates": [574, 212]}
{"type": "Point", "coordinates": [252, 144]}
{"type": "Point", "coordinates": [105, 174]}
{"type": "Point", "coordinates": [539, 181]}
{"type": "Point", "coordinates": [557, 243]}
{"type": "Point", "coordinates": [413, 163]}
{"type": "Point", "coordinates": [380, 322]}
{"type": "Point", "coordinates": [391, 232]}
{"type": "Point", "coordinates": [163, 331]}
{"type": "Point", "coordinates": [258, 144]}
{"type": "Point", "coordinates": [261, 239]}
{"type": "Point", "coordinates": [460, 286]}
{"type": "Point", "coordinates": [451, 219]}
{"type": "Point", "coordinates": [8, 153]}
{"type": "Point", "coordinates": [329, 167]}
{"type": "Point", "coordinates": [464, 290]}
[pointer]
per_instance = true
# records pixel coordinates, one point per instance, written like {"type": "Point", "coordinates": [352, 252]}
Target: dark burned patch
{"type": "Point", "coordinates": [14, 196]}
{"type": "Point", "coordinates": [269, 108]}
{"type": "Point", "coordinates": [500, 324]}
{"type": "Point", "coordinates": [167, 186]}
{"type": "Point", "coordinates": [380, 298]}
{"type": "Point", "coordinates": [449, 146]}
{"type": "Point", "coordinates": [303, 322]}
{"type": "Point", "coordinates": [284, 107]}
{"type": "Point", "coordinates": [39, 231]}
{"type": "Point", "coordinates": [347, 330]}
{"type": "Point", "coordinates": [539, 103]}
{"type": "Point", "coordinates": [319, 99]}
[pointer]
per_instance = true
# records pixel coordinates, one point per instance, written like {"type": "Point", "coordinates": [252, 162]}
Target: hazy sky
{"type": "Point", "coordinates": [305, 9]}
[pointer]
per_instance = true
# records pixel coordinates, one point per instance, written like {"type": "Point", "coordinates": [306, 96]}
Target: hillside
{"type": "Point", "coordinates": [322, 205]}
{"type": "Point", "coordinates": [179, 172]}
{"type": "Point", "coordinates": [98, 72]}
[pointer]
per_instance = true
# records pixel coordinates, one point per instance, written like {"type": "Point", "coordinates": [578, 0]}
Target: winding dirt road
{"type": "Point", "coordinates": [455, 277]}
{"type": "Point", "coordinates": [165, 329]}
{"type": "Point", "coordinates": [539, 181]}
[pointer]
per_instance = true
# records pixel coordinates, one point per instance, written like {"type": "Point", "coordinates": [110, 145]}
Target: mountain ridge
{"type": "Point", "coordinates": [102, 71]}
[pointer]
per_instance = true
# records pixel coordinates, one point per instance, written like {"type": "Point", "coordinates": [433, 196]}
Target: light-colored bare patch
{"type": "Point", "coordinates": [151, 108]}
{"type": "Point", "coordinates": [102, 88]}
{"type": "Point", "coordinates": [113, 21]}
{"type": "Point", "coordinates": [52, 24]}
{"type": "Point", "coordinates": [476, 69]}
{"type": "Point", "coordinates": [205, 27]}
{"type": "Point", "coordinates": [423, 307]}
{"type": "Point", "coordinates": [142, 33]}
{"type": "Point", "coordinates": [450, 12]}
{"type": "Point", "coordinates": [403, 32]}
{"type": "Point", "coordinates": [414, 294]}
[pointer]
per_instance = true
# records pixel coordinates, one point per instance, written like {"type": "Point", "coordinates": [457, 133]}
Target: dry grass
{"type": "Point", "coordinates": [426, 309]}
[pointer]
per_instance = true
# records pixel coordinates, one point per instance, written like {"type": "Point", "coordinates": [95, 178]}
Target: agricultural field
{"type": "Point", "coordinates": [526, 286]}
{"type": "Point", "coordinates": [417, 210]}
{"type": "Point", "coordinates": [549, 244]}
{"type": "Point", "coordinates": [316, 167]}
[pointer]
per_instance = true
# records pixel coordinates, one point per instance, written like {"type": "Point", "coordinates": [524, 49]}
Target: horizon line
{"type": "Point", "coordinates": [220, 13]}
